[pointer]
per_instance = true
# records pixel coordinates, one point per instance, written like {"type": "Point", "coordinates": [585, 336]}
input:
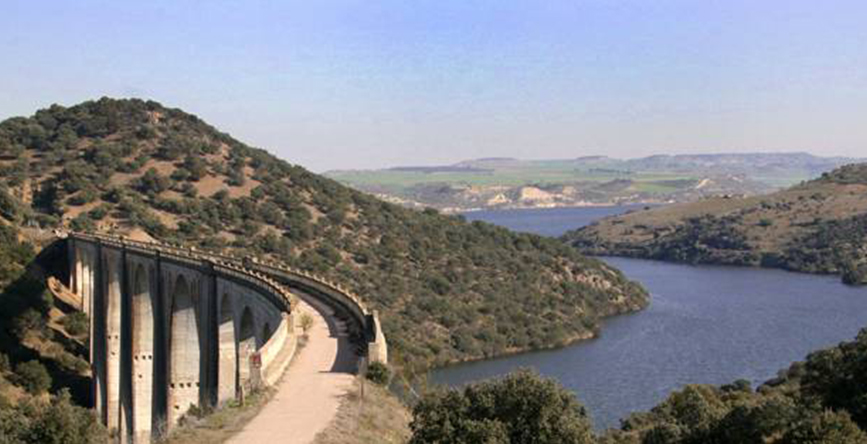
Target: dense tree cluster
{"type": "Point", "coordinates": [520, 408]}
{"type": "Point", "coordinates": [447, 289]}
{"type": "Point", "coordinates": [49, 421]}
{"type": "Point", "coordinates": [835, 245]}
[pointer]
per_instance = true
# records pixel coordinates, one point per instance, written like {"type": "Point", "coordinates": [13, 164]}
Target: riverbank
{"type": "Point", "coordinates": [707, 324]}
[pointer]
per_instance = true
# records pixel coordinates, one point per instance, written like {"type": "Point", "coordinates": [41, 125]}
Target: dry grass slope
{"type": "Point", "coordinates": [378, 418]}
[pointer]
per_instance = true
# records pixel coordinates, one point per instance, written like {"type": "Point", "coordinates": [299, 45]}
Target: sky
{"type": "Point", "coordinates": [351, 84]}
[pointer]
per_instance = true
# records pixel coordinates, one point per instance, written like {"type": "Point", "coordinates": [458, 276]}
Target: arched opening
{"type": "Point", "coordinates": [246, 348]}
{"type": "Point", "coordinates": [227, 379]}
{"type": "Point", "coordinates": [185, 353]}
{"type": "Point", "coordinates": [142, 353]}
{"type": "Point", "coordinates": [266, 334]}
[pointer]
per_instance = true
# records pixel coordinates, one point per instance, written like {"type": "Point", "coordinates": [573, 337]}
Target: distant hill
{"type": "Point", "coordinates": [818, 226]}
{"type": "Point", "coordinates": [447, 290]}
{"type": "Point", "coordinates": [495, 183]}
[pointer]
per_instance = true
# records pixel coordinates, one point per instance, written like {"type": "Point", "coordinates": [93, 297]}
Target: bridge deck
{"type": "Point", "coordinates": [310, 392]}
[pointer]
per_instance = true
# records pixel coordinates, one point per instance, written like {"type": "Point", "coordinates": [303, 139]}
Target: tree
{"type": "Point", "coordinates": [826, 428]}
{"type": "Point", "coordinates": [76, 324]}
{"type": "Point", "coordinates": [520, 408]}
{"type": "Point", "coordinates": [196, 166]}
{"type": "Point", "coordinates": [306, 322]}
{"type": "Point", "coordinates": [152, 182]}
{"type": "Point", "coordinates": [835, 377]}
{"type": "Point", "coordinates": [33, 376]}
{"type": "Point", "coordinates": [58, 422]}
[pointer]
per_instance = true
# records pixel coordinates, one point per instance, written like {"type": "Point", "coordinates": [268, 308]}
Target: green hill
{"type": "Point", "coordinates": [447, 290]}
{"type": "Point", "coordinates": [818, 226]}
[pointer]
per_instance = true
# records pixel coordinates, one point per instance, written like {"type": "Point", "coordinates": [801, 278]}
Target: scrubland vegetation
{"type": "Point", "coordinates": [447, 290]}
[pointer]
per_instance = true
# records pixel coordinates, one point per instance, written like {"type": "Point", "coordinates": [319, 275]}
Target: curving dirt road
{"type": "Point", "coordinates": [309, 393]}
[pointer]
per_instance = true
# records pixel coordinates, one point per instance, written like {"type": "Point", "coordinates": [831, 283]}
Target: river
{"type": "Point", "coordinates": [706, 324]}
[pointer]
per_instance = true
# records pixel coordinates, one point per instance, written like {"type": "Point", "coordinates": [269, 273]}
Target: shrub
{"type": "Point", "coordinates": [826, 428]}
{"type": "Point", "coordinates": [59, 422]}
{"type": "Point", "coordinates": [29, 321]}
{"type": "Point", "coordinates": [306, 322]}
{"type": "Point", "coordinates": [151, 182]}
{"type": "Point", "coordinates": [378, 373]}
{"type": "Point", "coordinates": [520, 408]}
{"type": "Point", "coordinates": [5, 366]}
{"type": "Point", "coordinates": [33, 376]}
{"type": "Point", "coordinates": [76, 324]}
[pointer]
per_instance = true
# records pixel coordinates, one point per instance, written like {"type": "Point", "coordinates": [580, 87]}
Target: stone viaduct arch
{"type": "Point", "coordinates": [173, 328]}
{"type": "Point", "coordinates": [227, 377]}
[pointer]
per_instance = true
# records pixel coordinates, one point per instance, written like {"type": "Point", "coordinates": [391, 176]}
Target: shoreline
{"type": "Point", "coordinates": [595, 333]}
{"type": "Point", "coordinates": [453, 211]}
{"type": "Point", "coordinates": [758, 266]}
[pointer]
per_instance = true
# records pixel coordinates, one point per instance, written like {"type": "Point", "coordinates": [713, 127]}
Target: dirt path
{"type": "Point", "coordinates": [309, 394]}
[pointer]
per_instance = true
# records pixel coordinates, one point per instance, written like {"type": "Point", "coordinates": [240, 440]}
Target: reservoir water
{"type": "Point", "coordinates": [706, 324]}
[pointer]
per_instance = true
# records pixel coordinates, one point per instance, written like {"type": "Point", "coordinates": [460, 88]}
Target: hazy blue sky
{"type": "Point", "coordinates": [365, 83]}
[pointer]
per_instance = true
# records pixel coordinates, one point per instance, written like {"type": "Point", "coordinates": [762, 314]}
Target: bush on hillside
{"type": "Point", "coordinates": [76, 324]}
{"type": "Point", "coordinates": [517, 409]}
{"type": "Point", "coordinates": [378, 373]}
{"type": "Point", "coordinates": [828, 427]}
{"type": "Point", "coordinates": [33, 376]}
{"type": "Point", "coordinates": [57, 421]}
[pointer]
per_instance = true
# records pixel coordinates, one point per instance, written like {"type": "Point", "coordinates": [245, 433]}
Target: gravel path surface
{"type": "Point", "coordinates": [310, 391]}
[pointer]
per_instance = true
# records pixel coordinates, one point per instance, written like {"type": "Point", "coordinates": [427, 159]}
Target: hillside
{"type": "Point", "coordinates": [42, 350]}
{"type": "Point", "coordinates": [496, 183]}
{"type": "Point", "coordinates": [818, 226]}
{"type": "Point", "coordinates": [447, 290]}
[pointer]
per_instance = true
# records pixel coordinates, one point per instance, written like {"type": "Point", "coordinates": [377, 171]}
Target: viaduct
{"type": "Point", "coordinates": [174, 329]}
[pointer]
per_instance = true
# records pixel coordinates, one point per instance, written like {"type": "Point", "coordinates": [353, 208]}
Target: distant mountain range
{"type": "Point", "coordinates": [502, 182]}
